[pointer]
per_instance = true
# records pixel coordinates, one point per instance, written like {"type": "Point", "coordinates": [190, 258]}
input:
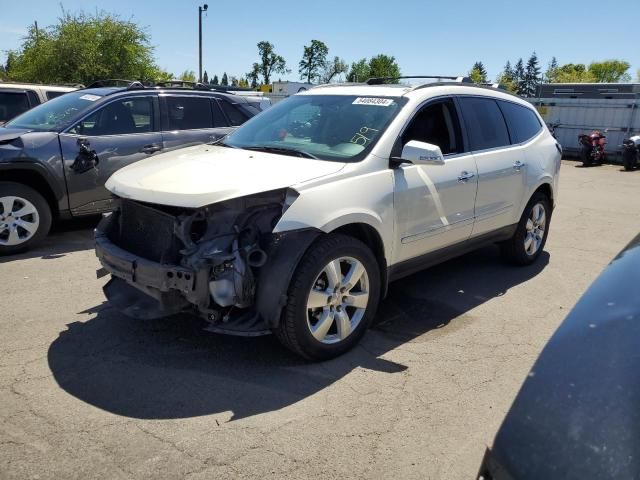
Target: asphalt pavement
{"type": "Point", "coordinates": [87, 393]}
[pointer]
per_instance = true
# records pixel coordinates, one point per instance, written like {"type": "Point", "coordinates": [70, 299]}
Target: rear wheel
{"type": "Point", "coordinates": [25, 217]}
{"type": "Point", "coordinates": [530, 237]}
{"type": "Point", "coordinates": [332, 298]}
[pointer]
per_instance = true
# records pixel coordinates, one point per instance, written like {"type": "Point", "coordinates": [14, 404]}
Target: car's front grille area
{"type": "Point", "coordinates": [147, 232]}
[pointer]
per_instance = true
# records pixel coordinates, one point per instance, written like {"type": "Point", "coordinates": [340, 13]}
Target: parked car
{"type": "Point", "coordinates": [576, 415]}
{"type": "Point", "coordinates": [55, 158]}
{"type": "Point", "coordinates": [17, 98]}
{"type": "Point", "coordinates": [297, 221]}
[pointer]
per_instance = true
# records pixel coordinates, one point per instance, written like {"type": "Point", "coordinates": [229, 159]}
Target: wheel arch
{"type": "Point", "coordinates": [34, 178]}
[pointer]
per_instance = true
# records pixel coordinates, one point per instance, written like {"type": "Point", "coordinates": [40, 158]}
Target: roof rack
{"type": "Point", "coordinates": [117, 82]}
{"type": "Point", "coordinates": [383, 80]}
{"type": "Point", "coordinates": [181, 84]}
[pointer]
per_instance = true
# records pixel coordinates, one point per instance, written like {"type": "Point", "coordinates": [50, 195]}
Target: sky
{"type": "Point", "coordinates": [426, 38]}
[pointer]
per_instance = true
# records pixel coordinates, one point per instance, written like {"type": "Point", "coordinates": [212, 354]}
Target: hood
{"type": "Point", "coordinates": [9, 134]}
{"type": "Point", "coordinates": [197, 176]}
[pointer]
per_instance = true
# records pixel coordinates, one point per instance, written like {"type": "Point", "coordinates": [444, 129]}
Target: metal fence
{"type": "Point", "coordinates": [584, 108]}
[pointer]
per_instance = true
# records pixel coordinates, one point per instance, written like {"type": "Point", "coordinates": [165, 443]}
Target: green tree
{"type": "Point", "coordinates": [83, 47]}
{"type": "Point", "coordinates": [332, 68]}
{"type": "Point", "coordinates": [270, 62]}
{"type": "Point", "coordinates": [360, 71]}
{"type": "Point", "coordinates": [519, 76]}
{"type": "Point", "coordinates": [215, 80]}
{"type": "Point", "coordinates": [506, 79]}
{"type": "Point", "coordinates": [225, 80]}
{"type": "Point", "coordinates": [573, 73]}
{"type": "Point", "coordinates": [610, 71]}
{"type": "Point", "coordinates": [243, 83]}
{"type": "Point", "coordinates": [531, 76]}
{"type": "Point", "coordinates": [205, 78]}
{"type": "Point", "coordinates": [552, 70]}
{"type": "Point", "coordinates": [478, 73]}
{"type": "Point", "coordinates": [384, 66]}
{"type": "Point", "coordinates": [188, 76]}
{"type": "Point", "coordinates": [252, 77]}
{"type": "Point", "coordinates": [314, 58]}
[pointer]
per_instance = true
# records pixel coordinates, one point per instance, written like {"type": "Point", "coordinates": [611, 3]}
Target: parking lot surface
{"type": "Point", "coordinates": [88, 393]}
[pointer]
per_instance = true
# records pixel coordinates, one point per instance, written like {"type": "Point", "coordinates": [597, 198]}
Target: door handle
{"type": "Point", "coordinates": [518, 165]}
{"type": "Point", "coordinates": [152, 148]}
{"type": "Point", "coordinates": [465, 176]}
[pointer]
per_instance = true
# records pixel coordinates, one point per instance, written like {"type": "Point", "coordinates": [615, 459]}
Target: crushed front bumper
{"type": "Point", "coordinates": [159, 289]}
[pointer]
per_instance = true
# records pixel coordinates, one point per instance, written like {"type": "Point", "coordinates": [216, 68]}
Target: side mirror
{"type": "Point", "coordinates": [420, 153]}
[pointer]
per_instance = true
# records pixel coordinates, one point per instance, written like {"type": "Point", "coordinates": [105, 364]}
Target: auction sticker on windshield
{"type": "Point", "coordinates": [91, 98]}
{"type": "Point", "coordinates": [379, 102]}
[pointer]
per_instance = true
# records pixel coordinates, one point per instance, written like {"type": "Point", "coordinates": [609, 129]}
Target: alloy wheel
{"type": "Point", "coordinates": [536, 224]}
{"type": "Point", "coordinates": [19, 220]}
{"type": "Point", "coordinates": [338, 300]}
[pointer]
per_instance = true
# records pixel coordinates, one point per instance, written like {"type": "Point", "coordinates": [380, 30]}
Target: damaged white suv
{"type": "Point", "coordinates": [296, 222]}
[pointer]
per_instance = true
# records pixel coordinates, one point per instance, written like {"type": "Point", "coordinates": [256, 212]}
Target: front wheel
{"type": "Point", "coordinates": [332, 298]}
{"type": "Point", "coordinates": [25, 217]}
{"type": "Point", "coordinates": [527, 243]}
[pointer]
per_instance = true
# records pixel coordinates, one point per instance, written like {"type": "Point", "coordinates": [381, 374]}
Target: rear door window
{"type": "Point", "coordinates": [219, 120]}
{"type": "Point", "coordinates": [12, 104]}
{"type": "Point", "coordinates": [189, 113]}
{"type": "Point", "coordinates": [484, 122]}
{"type": "Point", "coordinates": [523, 123]}
{"type": "Point", "coordinates": [235, 116]}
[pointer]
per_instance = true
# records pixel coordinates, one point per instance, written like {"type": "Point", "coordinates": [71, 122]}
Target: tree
{"type": "Point", "coordinates": [243, 83]}
{"type": "Point", "coordinates": [252, 77]}
{"type": "Point", "coordinates": [384, 66]}
{"type": "Point", "coordinates": [188, 76]}
{"type": "Point", "coordinates": [332, 68]}
{"type": "Point", "coordinates": [225, 80]}
{"type": "Point", "coordinates": [215, 80]}
{"type": "Point", "coordinates": [313, 60]}
{"type": "Point", "coordinates": [205, 78]}
{"type": "Point", "coordinates": [234, 81]}
{"type": "Point", "coordinates": [360, 71]}
{"type": "Point", "coordinates": [507, 78]}
{"type": "Point", "coordinates": [610, 71]}
{"type": "Point", "coordinates": [518, 76]}
{"type": "Point", "coordinates": [270, 62]}
{"type": "Point", "coordinates": [573, 73]}
{"type": "Point", "coordinates": [552, 69]}
{"type": "Point", "coordinates": [531, 76]}
{"type": "Point", "coordinates": [478, 73]}
{"type": "Point", "coordinates": [83, 47]}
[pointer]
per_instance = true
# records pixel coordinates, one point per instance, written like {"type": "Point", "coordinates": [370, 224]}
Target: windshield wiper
{"type": "Point", "coordinates": [283, 150]}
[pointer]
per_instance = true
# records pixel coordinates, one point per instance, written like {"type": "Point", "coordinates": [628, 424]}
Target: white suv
{"type": "Point", "coordinates": [296, 222]}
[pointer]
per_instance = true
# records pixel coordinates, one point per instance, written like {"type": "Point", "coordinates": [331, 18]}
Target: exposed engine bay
{"type": "Point", "coordinates": [208, 261]}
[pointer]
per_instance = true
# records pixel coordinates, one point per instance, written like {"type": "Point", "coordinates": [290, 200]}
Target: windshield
{"type": "Point", "coordinates": [329, 127]}
{"type": "Point", "coordinates": [55, 114]}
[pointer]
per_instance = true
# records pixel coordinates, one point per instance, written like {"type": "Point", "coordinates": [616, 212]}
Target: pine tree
{"type": "Point", "coordinates": [215, 80]}
{"type": "Point", "coordinates": [508, 72]}
{"type": "Point", "coordinates": [531, 76]}
{"type": "Point", "coordinates": [478, 73]}
{"type": "Point", "coordinates": [518, 76]}
{"type": "Point", "coordinates": [225, 80]}
{"type": "Point", "coordinates": [552, 71]}
{"type": "Point", "coordinates": [205, 78]}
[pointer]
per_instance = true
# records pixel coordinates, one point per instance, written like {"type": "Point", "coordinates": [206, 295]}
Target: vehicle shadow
{"type": "Point", "coordinates": [172, 369]}
{"type": "Point", "coordinates": [65, 237]}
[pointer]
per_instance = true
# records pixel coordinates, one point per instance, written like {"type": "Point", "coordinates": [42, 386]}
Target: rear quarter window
{"type": "Point", "coordinates": [522, 122]}
{"type": "Point", "coordinates": [484, 123]}
{"type": "Point", "coordinates": [235, 116]}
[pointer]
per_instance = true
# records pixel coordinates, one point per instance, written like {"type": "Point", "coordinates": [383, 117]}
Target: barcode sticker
{"type": "Point", "coordinates": [91, 98]}
{"type": "Point", "coordinates": [378, 102]}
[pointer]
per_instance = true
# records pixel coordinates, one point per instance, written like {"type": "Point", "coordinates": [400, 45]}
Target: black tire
{"type": "Point", "coordinates": [585, 155]}
{"type": "Point", "coordinates": [628, 159]}
{"type": "Point", "coordinates": [293, 331]}
{"type": "Point", "coordinates": [513, 250]}
{"type": "Point", "coordinates": [43, 212]}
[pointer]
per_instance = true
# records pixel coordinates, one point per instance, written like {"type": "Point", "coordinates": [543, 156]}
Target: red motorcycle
{"type": "Point", "coordinates": [592, 148]}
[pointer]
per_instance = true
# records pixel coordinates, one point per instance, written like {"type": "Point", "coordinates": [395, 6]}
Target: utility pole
{"type": "Point", "coordinates": [201, 9]}
{"type": "Point", "coordinates": [37, 32]}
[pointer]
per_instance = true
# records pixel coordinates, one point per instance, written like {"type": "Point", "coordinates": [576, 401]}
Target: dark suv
{"type": "Point", "coordinates": [55, 158]}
